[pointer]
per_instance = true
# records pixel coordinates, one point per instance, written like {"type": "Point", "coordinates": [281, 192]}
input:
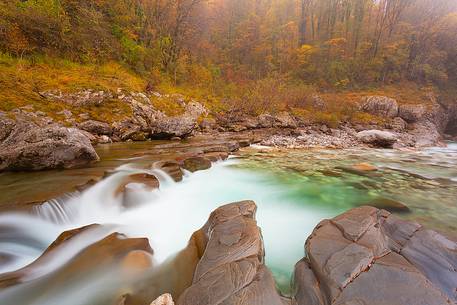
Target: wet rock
{"type": "Point", "coordinates": [96, 127]}
{"type": "Point", "coordinates": [31, 147]}
{"type": "Point", "coordinates": [108, 251]}
{"type": "Point", "coordinates": [68, 235]}
{"type": "Point", "coordinates": [360, 172]}
{"type": "Point", "coordinates": [136, 262]}
{"type": "Point", "coordinates": [194, 164]}
{"type": "Point", "coordinates": [388, 204]}
{"type": "Point", "coordinates": [165, 299]}
{"type": "Point", "coordinates": [172, 168]}
{"type": "Point", "coordinates": [244, 143]}
{"type": "Point", "coordinates": [412, 113]}
{"type": "Point", "coordinates": [346, 255]}
{"type": "Point", "coordinates": [231, 269]}
{"type": "Point", "coordinates": [380, 105]}
{"type": "Point", "coordinates": [86, 185]}
{"type": "Point", "coordinates": [144, 182]}
{"type": "Point", "coordinates": [216, 148]}
{"type": "Point", "coordinates": [330, 173]}
{"type": "Point", "coordinates": [377, 138]}
{"type": "Point", "coordinates": [365, 167]}
{"type": "Point", "coordinates": [216, 156]}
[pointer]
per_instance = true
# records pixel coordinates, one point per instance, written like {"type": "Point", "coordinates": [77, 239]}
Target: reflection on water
{"type": "Point", "coordinates": [294, 190]}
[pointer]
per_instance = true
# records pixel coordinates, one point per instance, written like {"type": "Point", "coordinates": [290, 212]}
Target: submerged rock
{"type": "Point", "coordinates": [31, 147]}
{"type": "Point", "coordinates": [377, 138]}
{"type": "Point", "coordinates": [368, 256]}
{"type": "Point", "coordinates": [365, 167]}
{"type": "Point", "coordinates": [388, 204]}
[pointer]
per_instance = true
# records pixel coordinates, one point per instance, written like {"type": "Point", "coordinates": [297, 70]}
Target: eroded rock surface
{"type": "Point", "coordinates": [368, 256]}
{"type": "Point", "coordinates": [231, 269]}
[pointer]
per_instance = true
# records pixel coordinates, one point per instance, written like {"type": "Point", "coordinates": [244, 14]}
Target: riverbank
{"type": "Point", "coordinates": [32, 140]}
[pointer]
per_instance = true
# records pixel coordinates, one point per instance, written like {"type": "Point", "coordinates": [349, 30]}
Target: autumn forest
{"type": "Point", "coordinates": [230, 47]}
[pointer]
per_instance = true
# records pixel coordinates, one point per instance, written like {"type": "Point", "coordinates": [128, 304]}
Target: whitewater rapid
{"type": "Point", "coordinates": [167, 216]}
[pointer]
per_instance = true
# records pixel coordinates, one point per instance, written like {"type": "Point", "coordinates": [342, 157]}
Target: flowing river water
{"type": "Point", "coordinates": [294, 190]}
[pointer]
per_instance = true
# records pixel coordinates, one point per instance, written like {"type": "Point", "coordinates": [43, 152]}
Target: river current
{"type": "Point", "coordinates": [294, 191]}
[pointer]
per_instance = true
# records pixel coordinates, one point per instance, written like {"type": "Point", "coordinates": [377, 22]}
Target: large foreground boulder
{"type": "Point", "coordinates": [377, 138]}
{"type": "Point", "coordinates": [380, 105]}
{"type": "Point", "coordinates": [231, 269]}
{"type": "Point", "coordinates": [368, 256]}
{"type": "Point", "coordinates": [27, 146]}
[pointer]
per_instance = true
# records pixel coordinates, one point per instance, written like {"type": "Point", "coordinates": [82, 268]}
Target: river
{"type": "Point", "coordinates": [294, 191]}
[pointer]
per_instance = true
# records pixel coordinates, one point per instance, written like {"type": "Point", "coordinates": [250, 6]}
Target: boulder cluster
{"type": "Point", "coordinates": [33, 141]}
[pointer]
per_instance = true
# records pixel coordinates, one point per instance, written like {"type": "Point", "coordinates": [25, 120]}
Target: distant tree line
{"type": "Point", "coordinates": [333, 43]}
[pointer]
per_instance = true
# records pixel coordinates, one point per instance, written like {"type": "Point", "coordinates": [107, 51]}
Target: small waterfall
{"type": "Point", "coordinates": [23, 238]}
{"type": "Point", "coordinates": [59, 210]}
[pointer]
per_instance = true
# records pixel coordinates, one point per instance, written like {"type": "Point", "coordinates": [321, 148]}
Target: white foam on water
{"type": "Point", "coordinates": [168, 217]}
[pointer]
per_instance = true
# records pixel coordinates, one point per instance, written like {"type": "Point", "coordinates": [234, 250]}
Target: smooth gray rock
{"type": "Point", "coordinates": [169, 127]}
{"type": "Point", "coordinates": [31, 147]}
{"type": "Point", "coordinates": [377, 138]}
